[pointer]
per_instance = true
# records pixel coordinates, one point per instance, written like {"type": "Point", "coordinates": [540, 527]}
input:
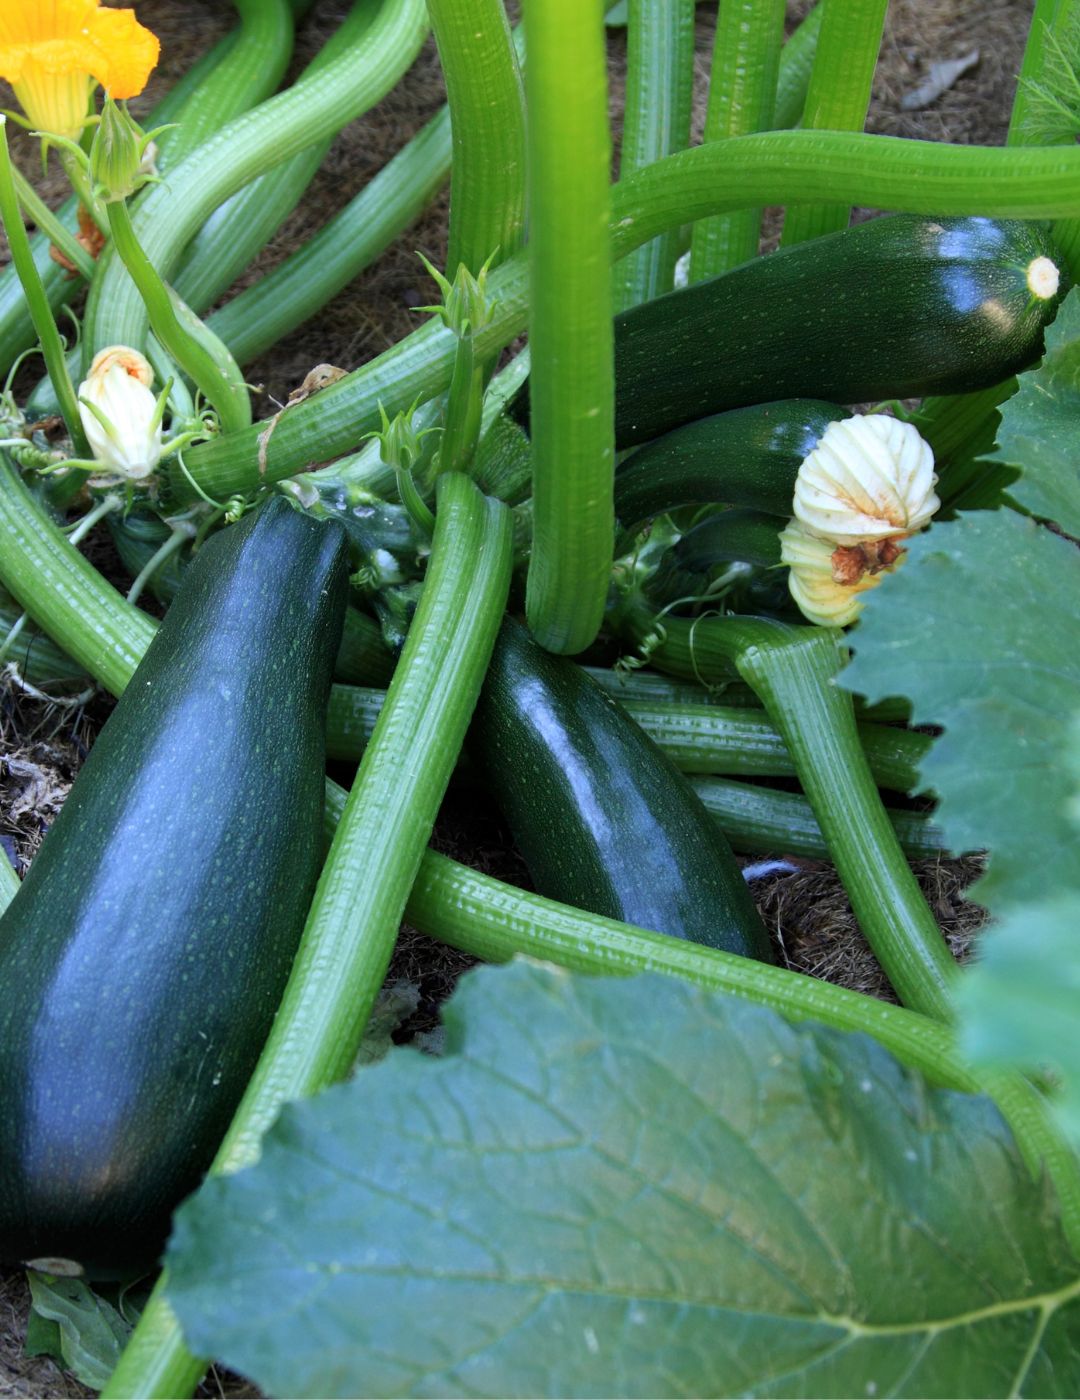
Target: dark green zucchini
{"type": "Point", "coordinates": [894, 308]}
{"type": "Point", "coordinates": [604, 820]}
{"type": "Point", "coordinates": [143, 958]}
{"type": "Point", "coordinates": [747, 457]}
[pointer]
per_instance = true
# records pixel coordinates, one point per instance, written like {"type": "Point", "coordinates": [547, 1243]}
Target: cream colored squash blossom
{"type": "Point", "coordinates": [866, 486]}
{"type": "Point", "coordinates": [120, 415]}
{"type": "Point", "coordinates": [54, 53]}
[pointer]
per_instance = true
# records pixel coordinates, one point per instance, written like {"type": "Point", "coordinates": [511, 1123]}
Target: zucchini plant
{"type": "Point", "coordinates": [665, 1163]}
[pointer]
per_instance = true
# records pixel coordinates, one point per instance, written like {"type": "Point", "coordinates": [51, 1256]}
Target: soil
{"type": "Point", "coordinates": [41, 747]}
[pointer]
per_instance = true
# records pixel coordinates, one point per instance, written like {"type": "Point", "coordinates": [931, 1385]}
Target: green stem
{"type": "Point", "coordinates": [36, 299]}
{"type": "Point", "coordinates": [767, 821]}
{"type": "Point", "coordinates": [216, 382]}
{"type": "Point", "coordinates": [838, 97]}
{"type": "Point", "coordinates": [570, 329]}
{"type": "Point", "coordinates": [792, 669]}
{"type": "Point", "coordinates": [237, 230]}
{"type": "Point", "coordinates": [656, 122]}
{"type": "Point", "coordinates": [698, 738]}
{"type": "Point", "coordinates": [179, 536]}
{"type": "Point", "coordinates": [377, 849]}
{"type": "Point", "coordinates": [778, 167]}
{"type": "Point", "coordinates": [796, 65]}
{"type": "Point", "coordinates": [48, 223]}
{"type": "Point", "coordinates": [742, 99]}
{"type": "Point", "coordinates": [319, 105]}
{"type": "Point", "coordinates": [249, 71]}
{"type": "Point", "coordinates": [259, 316]}
{"type": "Point", "coordinates": [487, 113]}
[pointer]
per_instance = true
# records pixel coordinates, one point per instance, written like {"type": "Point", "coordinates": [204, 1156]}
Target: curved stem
{"type": "Point", "coordinates": [796, 64]}
{"type": "Point", "coordinates": [777, 167]}
{"type": "Point", "coordinates": [36, 299]}
{"type": "Point", "coordinates": [217, 382]}
{"type": "Point", "coordinates": [570, 328]}
{"type": "Point", "coordinates": [792, 670]}
{"type": "Point", "coordinates": [170, 214]}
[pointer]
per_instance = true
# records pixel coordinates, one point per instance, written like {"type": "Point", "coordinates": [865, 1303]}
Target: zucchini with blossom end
{"type": "Point", "coordinates": [144, 956]}
{"type": "Point", "coordinates": [604, 820]}
{"type": "Point", "coordinates": [748, 457]}
{"type": "Point", "coordinates": [895, 308]}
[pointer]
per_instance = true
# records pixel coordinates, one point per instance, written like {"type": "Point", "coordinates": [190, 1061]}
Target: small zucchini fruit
{"type": "Point", "coordinates": [603, 819]}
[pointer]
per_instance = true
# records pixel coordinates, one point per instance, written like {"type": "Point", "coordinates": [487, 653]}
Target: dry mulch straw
{"type": "Point", "coordinates": [805, 909]}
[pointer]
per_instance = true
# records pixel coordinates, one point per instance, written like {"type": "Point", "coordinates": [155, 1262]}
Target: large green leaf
{"type": "Point", "coordinates": [630, 1187]}
{"type": "Point", "coordinates": [1040, 426]}
{"type": "Point", "coordinates": [77, 1326]}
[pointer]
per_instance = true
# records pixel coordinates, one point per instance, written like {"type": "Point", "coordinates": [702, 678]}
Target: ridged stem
{"type": "Point", "coordinates": [792, 669]}
{"type": "Point", "coordinates": [250, 70]}
{"type": "Point", "coordinates": [169, 214]}
{"type": "Point", "coordinates": [259, 316]}
{"type": "Point", "coordinates": [240, 228]}
{"type": "Point", "coordinates": [767, 821]}
{"type": "Point", "coordinates": [778, 167]}
{"type": "Point", "coordinates": [36, 298]}
{"type": "Point", "coordinates": [742, 99]}
{"type": "Point", "coordinates": [570, 329]}
{"type": "Point", "coordinates": [698, 738]}
{"type": "Point", "coordinates": [487, 114]}
{"type": "Point", "coordinates": [376, 852]}
{"type": "Point", "coordinates": [838, 96]}
{"type": "Point", "coordinates": [656, 123]}
{"type": "Point", "coordinates": [496, 922]}
{"type": "Point", "coordinates": [796, 64]}
{"type": "Point", "coordinates": [220, 383]}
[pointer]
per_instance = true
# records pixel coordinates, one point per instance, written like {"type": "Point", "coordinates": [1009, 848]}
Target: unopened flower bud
{"type": "Point", "coordinates": [868, 478]}
{"type": "Point", "coordinates": [120, 415]}
{"type": "Point", "coordinates": [828, 580]}
{"type": "Point", "coordinates": [121, 154]}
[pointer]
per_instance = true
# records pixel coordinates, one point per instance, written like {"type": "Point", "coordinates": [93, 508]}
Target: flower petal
{"type": "Point", "coordinates": [126, 52]}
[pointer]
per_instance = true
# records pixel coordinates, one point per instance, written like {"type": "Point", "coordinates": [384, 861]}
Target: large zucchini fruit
{"type": "Point", "coordinates": [897, 307]}
{"type": "Point", "coordinates": [142, 960]}
{"type": "Point", "coordinates": [603, 819]}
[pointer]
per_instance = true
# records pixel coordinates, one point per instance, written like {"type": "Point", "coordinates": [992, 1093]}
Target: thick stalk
{"type": "Point", "coordinates": [218, 379]}
{"type": "Point", "coordinates": [766, 821]}
{"type": "Point", "coordinates": [171, 213]}
{"type": "Point", "coordinates": [248, 72]}
{"type": "Point", "coordinates": [570, 331]}
{"type": "Point", "coordinates": [656, 123]}
{"type": "Point", "coordinates": [36, 298]}
{"type": "Point", "coordinates": [779, 167]}
{"type": "Point", "coordinates": [838, 97]}
{"type": "Point", "coordinates": [376, 852]}
{"type": "Point", "coordinates": [792, 669]}
{"type": "Point", "coordinates": [796, 64]}
{"type": "Point", "coordinates": [241, 227]}
{"type": "Point", "coordinates": [698, 738]}
{"type": "Point", "coordinates": [259, 316]}
{"type": "Point", "coordinates": [487, 114]}
{"type": "Point", "coordinates": [742, 99]}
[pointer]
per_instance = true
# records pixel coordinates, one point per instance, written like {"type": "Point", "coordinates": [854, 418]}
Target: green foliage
{"type": "Point", "coordinates": [1040, 425]}
{"type": "Point", "coordinates": [1053, 100]}
{"type": "Point", "coordinates": [634, 1188]}
{"type": "Point", "coordinates": [979, 630]}
{"type": "Point", "coordinates": [80, 1328]}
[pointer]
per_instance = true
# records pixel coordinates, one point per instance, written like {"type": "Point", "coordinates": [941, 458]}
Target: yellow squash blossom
{"type": "Point", "coordinates": [53, 52]}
